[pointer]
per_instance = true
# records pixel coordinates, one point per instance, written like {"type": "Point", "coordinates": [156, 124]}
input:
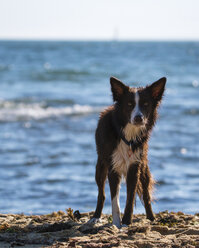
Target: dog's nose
{"type": "Point", "coordinates": [138, 119]}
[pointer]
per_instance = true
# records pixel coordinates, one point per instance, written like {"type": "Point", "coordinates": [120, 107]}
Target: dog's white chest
{"type": "Point", "coordinates": [122, 156]}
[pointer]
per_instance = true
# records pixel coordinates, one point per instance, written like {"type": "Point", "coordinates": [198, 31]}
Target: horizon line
{"type": "Point", "coordinates": [97, 40]}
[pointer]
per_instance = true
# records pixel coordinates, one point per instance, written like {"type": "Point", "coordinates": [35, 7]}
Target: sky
{"type": "Point", "coordinates": [99, 20]}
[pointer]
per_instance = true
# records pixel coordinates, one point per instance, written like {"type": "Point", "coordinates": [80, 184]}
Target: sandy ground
{"type": "Point", "coordinates": [61, 229]}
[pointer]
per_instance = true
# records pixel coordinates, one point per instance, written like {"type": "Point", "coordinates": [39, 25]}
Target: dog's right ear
{"type": "Point", "coordinates": [117, 88]}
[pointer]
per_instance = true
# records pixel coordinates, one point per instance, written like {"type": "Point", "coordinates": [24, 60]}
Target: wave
{"type": "Point", "coordinates": [20, 111]}
{"type": "Point", "coordinates": [4, 67]}
{"type": "Point", "coordinates": [50, 74]}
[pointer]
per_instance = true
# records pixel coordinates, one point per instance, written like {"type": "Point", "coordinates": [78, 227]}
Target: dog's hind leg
{"type": "Point", "coordinates": [131, 181]}
{"type": "Point", "coordinates": [147, 185]}
{"type": "Point", "coordinates": [100, 177]}
{"type": "Point", "coordinates": [114, 182]}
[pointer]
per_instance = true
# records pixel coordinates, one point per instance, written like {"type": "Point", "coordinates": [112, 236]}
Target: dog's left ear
{"type": "Point", "coordinates": [117, 88]}
{"type": "Point", "coordinates": [157, 89]}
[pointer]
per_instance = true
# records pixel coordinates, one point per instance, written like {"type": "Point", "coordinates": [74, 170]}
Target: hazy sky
{"type": "Point", "coordinates": [102, 19]}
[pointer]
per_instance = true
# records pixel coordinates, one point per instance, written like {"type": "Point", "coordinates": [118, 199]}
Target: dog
{"type": "Point", "coordinates": [122, 138]}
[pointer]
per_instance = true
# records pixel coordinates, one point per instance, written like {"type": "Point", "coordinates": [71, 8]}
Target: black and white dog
{"type": "Point", "coordinates": [122, 138]}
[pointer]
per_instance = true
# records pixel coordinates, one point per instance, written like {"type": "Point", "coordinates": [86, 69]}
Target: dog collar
{"type": "Point", "coordinates": [132, 143]}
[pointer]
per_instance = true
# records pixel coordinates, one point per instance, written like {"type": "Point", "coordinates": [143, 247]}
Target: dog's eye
{"type": "Point", "coordinates": [130, 104]}
{"type": "Point", "coordinates": [146, 104]}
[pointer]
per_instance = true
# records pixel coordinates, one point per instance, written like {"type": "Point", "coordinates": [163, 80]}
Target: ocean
{"type": "Point", "coordinates": [51, 94]}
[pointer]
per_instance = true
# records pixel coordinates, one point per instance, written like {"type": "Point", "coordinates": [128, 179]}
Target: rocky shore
{"type": "Point", "coordinates": [70, 229]}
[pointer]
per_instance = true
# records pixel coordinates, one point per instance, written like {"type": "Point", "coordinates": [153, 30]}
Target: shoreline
{"type": "Point", "coordinates": [61, 229]}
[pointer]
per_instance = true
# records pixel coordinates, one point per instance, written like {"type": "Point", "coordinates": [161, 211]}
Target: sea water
{"type": "Point", "coordinates": [51, 94]}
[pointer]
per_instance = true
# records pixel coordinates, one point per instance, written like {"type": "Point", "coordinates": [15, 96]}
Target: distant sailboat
{"type": "Point", "coordinates": [115, 34]}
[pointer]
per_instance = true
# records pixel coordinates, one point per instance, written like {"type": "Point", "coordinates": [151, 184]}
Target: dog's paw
{"type": "Point", "coordinates": [117, 223]}
{"type": "Point", "coordinates": [122, 228]}
{"type": "Point", "coordinates": [124, 225]}
{"type": "Point", "coordinates": [94, 221]}
{"type": "Point", "coordinates": [151, 217]}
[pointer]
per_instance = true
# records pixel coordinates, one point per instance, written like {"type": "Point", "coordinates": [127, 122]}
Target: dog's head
{"type": "Point", "coordinates": [137, 105]}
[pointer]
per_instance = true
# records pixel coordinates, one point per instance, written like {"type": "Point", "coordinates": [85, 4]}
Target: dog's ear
{"type": "Point", "coordinates": [157, 89]}
{"type": "Point", "coordinates": [117, 88]}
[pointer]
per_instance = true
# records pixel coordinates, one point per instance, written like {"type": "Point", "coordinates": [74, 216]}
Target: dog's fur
{"type": "Point", "coordinates": [132, 116]}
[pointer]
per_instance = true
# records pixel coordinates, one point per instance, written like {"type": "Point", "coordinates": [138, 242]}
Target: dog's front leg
{"type": "Point", "coordinates": [131, 182]}
{"type": "Point", "coordinates": [147, 185]}
{"type": "Point", "coordinates": [114, 183]}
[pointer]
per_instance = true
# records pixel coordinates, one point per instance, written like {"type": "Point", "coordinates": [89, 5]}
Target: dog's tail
{"type": "Point", "coordinates": [149, 184]}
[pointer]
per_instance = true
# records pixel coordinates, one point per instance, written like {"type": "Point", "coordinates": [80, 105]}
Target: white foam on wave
{"type": "Point", "coordinates": [12, 111]}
